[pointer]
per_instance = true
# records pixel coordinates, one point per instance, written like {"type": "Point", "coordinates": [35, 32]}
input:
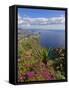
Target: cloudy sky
{"type": "Point", "coordinates": [41, 19]}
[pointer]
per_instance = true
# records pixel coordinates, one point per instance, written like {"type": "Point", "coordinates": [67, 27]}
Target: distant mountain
{"type": "Point", "coordinates": [24, 32]}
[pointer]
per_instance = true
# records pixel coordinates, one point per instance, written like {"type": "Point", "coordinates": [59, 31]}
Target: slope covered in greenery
{"type": "Point", "coordinates": [36, 63]}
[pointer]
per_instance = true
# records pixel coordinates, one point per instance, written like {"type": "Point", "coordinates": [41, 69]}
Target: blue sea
{"type": "Point", "coordinates": [51, 38]}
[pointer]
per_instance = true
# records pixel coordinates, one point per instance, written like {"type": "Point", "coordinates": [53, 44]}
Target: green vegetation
{"type": "Point", "coordinates": [35, 64]}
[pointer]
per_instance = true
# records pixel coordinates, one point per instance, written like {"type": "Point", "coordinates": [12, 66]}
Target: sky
{"type": "Point", "coordinates": [41, 19]}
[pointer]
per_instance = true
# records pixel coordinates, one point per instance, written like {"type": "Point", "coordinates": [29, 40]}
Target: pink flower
{"type": "Point", "coordinates": [47, 75]}
{"type": "Point", "coordinates": [30, 74]}
{"type": "Point", "coordinates": [21, 77]}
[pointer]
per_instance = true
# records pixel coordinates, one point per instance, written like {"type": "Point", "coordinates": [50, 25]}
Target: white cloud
{"type": "Point", "coordinates": [20, 21]}
{"type": "Point", "coordinates": [57, 20]}
{"type": "Point", "coordinates": [42, 21]}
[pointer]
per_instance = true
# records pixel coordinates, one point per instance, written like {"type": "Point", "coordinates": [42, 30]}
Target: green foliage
{"type": "Point", "coordinates": [33, 58]}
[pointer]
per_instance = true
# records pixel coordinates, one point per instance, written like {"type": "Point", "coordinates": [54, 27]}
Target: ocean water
{"type": "Point", "coordinates": [51, 38]}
